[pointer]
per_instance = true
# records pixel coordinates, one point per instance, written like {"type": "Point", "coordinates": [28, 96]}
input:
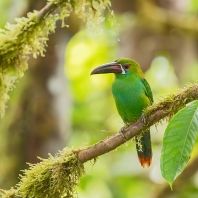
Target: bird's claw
{"type": "Point", "coordinates": [122, 130]}
{"type": "Point", "coordinates": [143, 119]}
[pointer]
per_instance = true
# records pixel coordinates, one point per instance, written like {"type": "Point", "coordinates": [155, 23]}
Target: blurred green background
{"type": "Point", "coordinates": [58, 103]}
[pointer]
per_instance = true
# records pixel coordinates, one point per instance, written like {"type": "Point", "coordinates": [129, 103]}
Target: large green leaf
{"type": "Point", "coordinates": [178, 142]}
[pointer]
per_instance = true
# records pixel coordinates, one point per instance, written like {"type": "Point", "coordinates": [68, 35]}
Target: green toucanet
{"type": "Point", "coordinates": [132, 95]}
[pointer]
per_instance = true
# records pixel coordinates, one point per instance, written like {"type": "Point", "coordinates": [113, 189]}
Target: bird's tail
{"type": "Point", "coordinates": [144, 149]}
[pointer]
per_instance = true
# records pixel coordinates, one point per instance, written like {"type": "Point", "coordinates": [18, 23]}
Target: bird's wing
{"type": "Point", "coordinates": [148, 90]}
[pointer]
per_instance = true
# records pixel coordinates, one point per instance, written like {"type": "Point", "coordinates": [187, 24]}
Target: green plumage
{"type": "Point", "coordinates": [132, 95]}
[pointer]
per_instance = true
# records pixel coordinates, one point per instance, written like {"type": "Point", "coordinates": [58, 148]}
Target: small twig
{"type": "Point", "coordinates": [48, 9]}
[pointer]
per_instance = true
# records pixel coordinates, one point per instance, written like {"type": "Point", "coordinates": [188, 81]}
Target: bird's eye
{"type": "Point", "coordinates": [126, 66]}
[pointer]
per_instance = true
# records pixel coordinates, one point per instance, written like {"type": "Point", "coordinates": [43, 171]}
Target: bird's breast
{"type": "Point", "coordinates": [130, 98]}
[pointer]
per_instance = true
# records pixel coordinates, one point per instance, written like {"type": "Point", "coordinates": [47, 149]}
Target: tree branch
{"type": "Point", "coordinates": [166, 108]}
{"type": "Point", "coordinates": [59, 175]}
{"type": "Point", "coordinates": [48, 9]}
{"type": "Point", "coordinates": [29, 36]}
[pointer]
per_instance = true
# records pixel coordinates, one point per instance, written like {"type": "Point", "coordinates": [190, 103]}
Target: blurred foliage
{"type": "Point", "coordinates": [118, 174]}
{"type": "Point", "coordinates": [193, 6]}
{"type": "Point", "coordinates": [83, 52]}
{"type": "Point", "coordinates": [24, 38]}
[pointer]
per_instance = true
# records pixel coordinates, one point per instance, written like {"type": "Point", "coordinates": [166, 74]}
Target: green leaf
{"type": "Point", "coordinates": [178, 142]}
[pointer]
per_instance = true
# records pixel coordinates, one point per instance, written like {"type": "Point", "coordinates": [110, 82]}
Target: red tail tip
{"type": "Point", "coordinates": [145, 161]}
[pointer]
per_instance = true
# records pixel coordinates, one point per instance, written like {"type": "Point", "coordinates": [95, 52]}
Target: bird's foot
{"type": "Point", "coordinates": [122, 130]}
{"type": "Point", "coordinates": [143, 119]}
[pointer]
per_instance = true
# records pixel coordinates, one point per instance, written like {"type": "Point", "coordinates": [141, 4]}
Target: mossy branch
{"type": "Point", "coordinates": [166, 108]}
{"type": "Point", "coordinates": [53, 177]}
{"type": "Point", "coordinates": [29, 36]}
{"type": "Point", "coordinates": [58, 176]}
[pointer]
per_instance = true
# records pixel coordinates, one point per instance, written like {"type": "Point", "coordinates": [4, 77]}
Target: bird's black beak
{"type": "Point", "coordinates": [109, 68]}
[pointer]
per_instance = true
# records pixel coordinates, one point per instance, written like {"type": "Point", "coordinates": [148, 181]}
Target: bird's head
{"type": "Point", "coordinates": [120, 67]}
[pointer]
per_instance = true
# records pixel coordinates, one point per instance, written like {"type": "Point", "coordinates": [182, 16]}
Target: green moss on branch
{"type": "Point", "coordinates": [53, 177]}
{"type": "Point", "coordinates": [29, 36]}
{"type": "Point", "coordinates": [58, 176]}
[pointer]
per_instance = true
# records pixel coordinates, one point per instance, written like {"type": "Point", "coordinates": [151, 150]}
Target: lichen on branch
{"type": "Point", "coordinates": [53, 177]}
{"type": "Point", "coordinates": [29, 36]}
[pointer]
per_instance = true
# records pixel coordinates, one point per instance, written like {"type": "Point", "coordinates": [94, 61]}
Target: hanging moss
{"type": "Point", "coordinates": [53, 177]}
{"type": "Point", "coordinates": [29, 36]}
{"type": "Point", "coordinates": [56, 176]}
